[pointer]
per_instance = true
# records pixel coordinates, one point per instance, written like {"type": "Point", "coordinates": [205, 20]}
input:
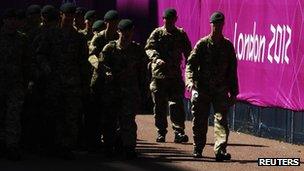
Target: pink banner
{"type": "Point", "coordinates": [268, 38]}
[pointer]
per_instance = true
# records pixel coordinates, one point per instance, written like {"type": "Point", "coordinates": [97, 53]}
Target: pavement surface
{"type": "Point", "coordinates": [245, 150]}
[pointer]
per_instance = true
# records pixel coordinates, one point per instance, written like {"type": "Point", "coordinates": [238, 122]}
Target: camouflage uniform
{"type": "Point", "coordinates": [213, 70]}
{"type": "Point", "coordinates": [15, 72]}
{"type": "Point", "coordinates": [167, 83]}
{"type": "Point", "coordinates": [88, 34]}
{"type": "Point", "coordinates": [96, 118]}
{"type": "Point", "coordinates": [126, 67]}
{"type": "Point", "coordinates": [62, 58]}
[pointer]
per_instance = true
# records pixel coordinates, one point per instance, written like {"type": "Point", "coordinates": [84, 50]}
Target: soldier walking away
{"type": "Point", "coordinates": [15, 74]}
{"type": "Point", "coordinates": [165, 47]}
{"type": "Point", "coordinates": [211, 74]}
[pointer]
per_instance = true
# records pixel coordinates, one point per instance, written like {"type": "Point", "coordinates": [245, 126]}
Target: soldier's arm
{"type": "Point", "coordinates": [84, 65]}
{"type": "Point", "coordinates": [187, 45]}
{"type": "Point", "coordinates": [233, 78]}
{"type": "Point", "coordinates": [95, 47]}
{"type": "Point", "coordinates": [193, 64]}
{"type": "Point", "coordinates": [41, 55]}
{"type": "Point", "coordinates": [104, 61]}
{"type": "Point", "coordinates": [151, 47]}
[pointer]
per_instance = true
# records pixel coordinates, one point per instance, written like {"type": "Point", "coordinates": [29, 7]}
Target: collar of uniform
{"type": "Point", "coordinates": [209, 39]}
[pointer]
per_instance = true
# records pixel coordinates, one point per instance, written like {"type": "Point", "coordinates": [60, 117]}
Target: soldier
{"type": "Point", "coordinates": [89, 19]}
{"type": "Point", "coordinates": [96, 119]}
{"type": "Point", "coordinates": [98, 26]}
{"type": "Point", "coordinates": [111, 19]}
{"type": "Point", "coordinates": [211, 74]}
{"type": "Point", "coordinates": [62, 57]}
{"type": "Point", "coordinates": [15, 73]}
{"type": "Point", "coordinates": [79, 18]}
{"type": "Point", "coordinates": [123, 62]}
{"type": "Point", "coordinates": [31, 114]}
{"type": "Point", "coordinates": [164, 48]}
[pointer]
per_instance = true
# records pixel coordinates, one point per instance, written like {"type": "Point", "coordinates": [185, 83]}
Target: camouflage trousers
{"type": "Point", "coordinates": [168, 94]}
{"type": "Point", "coordinates": [11, 103]}
{"type": "Point", "coordinates": [200, 110]}
{"type": "Point", "coordinates": [118, 117]}
{"type": "Point", "coordinates": [62, 112]}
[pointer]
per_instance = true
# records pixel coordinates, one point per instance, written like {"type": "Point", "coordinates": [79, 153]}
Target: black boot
{"type": "Point", "coordinates": [197, 153]}
{"type": "Point", "coordinates": [13, 154]}
{"type": "Point", "coordinates": [219, 157]}
{"type": "Point", "coordinates": [66, 153]}
{"type": "Point", "coordinates": [181, 138]}
{"type": "Point", "coordinates": [129, 153]}
{"type": "Point", "coordinates": [161, 138]}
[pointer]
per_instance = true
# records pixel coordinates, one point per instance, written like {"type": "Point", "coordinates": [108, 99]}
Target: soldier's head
{"type": "Point", "coordinates": [20, 19]}
{"type": "Point", "coordinates": [33, 14]}
{"type": "Point", "coordinates": [98, 26]}
{"type": "Point", "coordinates": [67, 13]}
{"type": "Point", "coordinates": [9, 19]}
{"type": "Point", "coordinates": [170, 17]}
{"type": "Point", "coordinates": [79, 17]}
{"type": "Point", "coordinates": [217, 21]}
{"type": "Point", "coordinates": [126, 29]}
{"type": "Point", "coordinates": [90, 17]}
{"type": "Point", "coordinates": [49, 15]}
{"type": "Point", "coordinates": [111, 18]}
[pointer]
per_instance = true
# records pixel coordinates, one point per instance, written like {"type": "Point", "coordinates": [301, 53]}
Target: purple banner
{"type": "Point", "coordinates": [268, 38]}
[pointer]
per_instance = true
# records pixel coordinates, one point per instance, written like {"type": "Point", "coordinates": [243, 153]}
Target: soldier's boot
{"type": "Point", "coordinates": [129, 153]}
{"type": "Point", "coordinates": [221, 156]}
{"type": "Point", "coordinates": [13, 154]}
{"type": "Point", "coordinates": [181, 138]}
{"type": "Point", "coordinates": [66, 153]}
{"type": "Point", "coordinates": [197, 153]}
{"type": "Point", "coordinates": [161, 138]}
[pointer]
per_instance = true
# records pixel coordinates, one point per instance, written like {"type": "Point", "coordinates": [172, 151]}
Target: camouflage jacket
{"type": "Point", "coordinates": [62, 55]}
{"type": "Point", "coordinates": [213, 67]}
{"type": "Point", "coordinates": [169, 47]}
{"type": "Point", "coordinates": [87, 34]}
{"type": "Point", "coordinates": [15, 61]}
{"type": "Point", "coordinates": [127, 66]}
{"type": "Point", "coordinates": [99, 41]}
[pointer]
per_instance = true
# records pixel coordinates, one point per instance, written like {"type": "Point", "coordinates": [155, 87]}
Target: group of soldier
{"type": "Point", "coordinates": [70, 81]}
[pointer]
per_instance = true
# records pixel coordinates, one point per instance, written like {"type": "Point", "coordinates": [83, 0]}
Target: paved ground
{"type": "Point", "coordinates": [245, 150]}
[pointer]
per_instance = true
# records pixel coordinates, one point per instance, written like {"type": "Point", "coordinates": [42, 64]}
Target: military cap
{"type": "Point", "coordinates": [9, 13]}
{"type": "Point", "coordinates": [68, 8]}
{"type": "Point", "coordinates": [125, 24]}
{"type": "Point", "coordinates": [170, 13]}
{"type": "Point", "coordinates": [80, 10]}
{"type": "Point", "coordinates": [98, 24]}
{"type": "Point", "coordinates": [20, 14]}
{"type": "Point", "coordinates": [50, 13]}
{"type": "Point", "coordinates": [111, 15]}
{"type": "Point", "coordinates": [217, 17]}
{"type": "Point", "coordinates": [33, 9]}
{"type": "Point", "coordinates": [90, 15]}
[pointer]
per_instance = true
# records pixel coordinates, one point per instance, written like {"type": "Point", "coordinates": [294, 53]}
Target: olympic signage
{"type": "Point", "coordinates": [268, 37]}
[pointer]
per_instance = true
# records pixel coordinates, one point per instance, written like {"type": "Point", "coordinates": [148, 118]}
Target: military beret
{"type": "Point", "coordinates": [9, 13]}
{"type": "Point", "coordinates": [90, 15]}
{"type": "Point", "coordinates": [68, 8]}
{"type": "Point", "coordinates": [50, 13]}
{"type": "Point", "coordinates": [170, 13]}
{"type": "Point", "coordinates": [20, 14]}
{"type": "Point", "coordinates": [33, 9]}
{"type": "Point", "coordinates": [98, 24]}
{"type": "Point", "coordinates": [111, 15]}
{"type": "Point", "coordinates": [217, 17]}
{"type": "Point", "coordinates": [125, 24]}
{"type": "Point", "coordinates": [80, 10]}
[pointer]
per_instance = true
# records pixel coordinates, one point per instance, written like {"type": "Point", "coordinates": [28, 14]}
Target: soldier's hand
{"type": "Point", "coordinates": [190, 86]}
{"type": "Point", "coordinates": [160, 62]}
{"type": "Point", "coordinates": [232, 100]}
{"type": "Point", "coordinates": [109, 77]}
{"type": "Point", "coordinates": [30, 86]}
